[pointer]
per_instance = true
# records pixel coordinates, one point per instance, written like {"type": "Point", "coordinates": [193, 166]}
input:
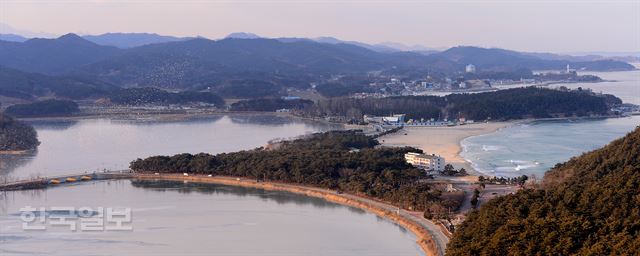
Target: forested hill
{"type": "Point", "coordinates": [16, 135]}
{"type": "Point", "coordinates": [590, 205]}
{"type": "Point", "coordinates": [515, 103]}
{"type": "Point", "coordinates": [53, 56]}
{"type": "Point", "coordinates": [50, 107]}
{"type": "Point", "coordinates": [325, 160]}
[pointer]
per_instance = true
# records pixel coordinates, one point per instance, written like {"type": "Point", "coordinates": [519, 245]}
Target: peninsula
{"type": "Point", "coordinates": [345, 162]}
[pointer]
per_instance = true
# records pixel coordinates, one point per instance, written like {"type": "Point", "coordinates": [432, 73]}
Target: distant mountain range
{"type": "Point", "coordinates": [203, 62]}
{"type": "Point", "coordinates": [130, 40]}
{"type": "Point", "coordinates": [12, 38]}
{"type": "Point", "coordinates": [53, 56]}
{"type": "Point", "coordinates": [246, 60]}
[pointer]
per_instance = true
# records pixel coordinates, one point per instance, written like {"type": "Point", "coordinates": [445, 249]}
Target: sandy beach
{"type": "Point", "coordinates": [13, 152]}
{"type": "Point", "coordinates": [443, 141]}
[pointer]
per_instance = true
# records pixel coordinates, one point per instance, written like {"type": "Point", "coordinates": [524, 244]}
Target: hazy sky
{"type": "Point", "coordinates": [556, 26]}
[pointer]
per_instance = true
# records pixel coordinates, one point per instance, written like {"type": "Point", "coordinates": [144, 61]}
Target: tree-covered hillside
{"type": "Point", "coordinates": [15, 135]}
{"type": "Point", "coordinates": [504, 104]}
{"type": "Point", "coordinates": [53, 56]}
{"type": "Point", "coordinates": [27, 86]}
{"type": "Point", "coordinates": [43, 108]}
{"type": "Point", "coordinates": [326, 160]}
{"type": "Point", "coordinates": [589, 205]}
{"type": "Point", "coordinates": [154, 96]}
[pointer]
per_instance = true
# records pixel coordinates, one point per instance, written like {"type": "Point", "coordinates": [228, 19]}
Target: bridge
{"type": "Point", "coordinates": [43, 182]}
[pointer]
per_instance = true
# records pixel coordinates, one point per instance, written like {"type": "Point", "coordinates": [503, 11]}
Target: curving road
{"type": "Point", "coordinates": [436, 233]}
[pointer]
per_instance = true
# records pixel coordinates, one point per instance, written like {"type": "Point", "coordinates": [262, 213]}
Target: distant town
{"type": "Point", "coordinates": [459, 82]}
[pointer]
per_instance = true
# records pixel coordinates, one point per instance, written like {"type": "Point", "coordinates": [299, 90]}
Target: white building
{"type": "Point", "coordinates": [470, 68]}
{"type": "Point", "coordinates": [428, 162]}
{"type": "Point", "coordinates": [394, 119]}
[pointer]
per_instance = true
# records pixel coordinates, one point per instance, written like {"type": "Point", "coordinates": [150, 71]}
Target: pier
{"type": "Point", "coordinates": [43, 182]}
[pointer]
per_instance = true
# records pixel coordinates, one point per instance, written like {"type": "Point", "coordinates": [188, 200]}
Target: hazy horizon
{"type": "Point", "coordinates": [523, 25]}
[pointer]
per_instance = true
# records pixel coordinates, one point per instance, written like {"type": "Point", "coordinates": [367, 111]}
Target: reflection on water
{"type": "Point", "coordinates": [279, 197]}
{"type": "Point", "coordinates": [53, 124]}
{"type": "Point", "coordinates": [90, 145]}
{"type": "Point", "coordinates": [10, 162]}
{"type": "Point", "coordinates": [176, 218]}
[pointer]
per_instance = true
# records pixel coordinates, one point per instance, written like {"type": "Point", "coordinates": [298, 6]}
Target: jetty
{"type": "Point", "coordinates": [43, 182]}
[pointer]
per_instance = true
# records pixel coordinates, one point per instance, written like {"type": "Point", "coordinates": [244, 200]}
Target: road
{"type": "Point", "coordinates": [438, 236]}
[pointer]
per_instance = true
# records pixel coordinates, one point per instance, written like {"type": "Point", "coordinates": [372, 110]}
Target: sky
{"type": "Point", "coordinates": [526, 25]}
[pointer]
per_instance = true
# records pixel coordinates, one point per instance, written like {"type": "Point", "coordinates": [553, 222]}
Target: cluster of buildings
{"type": "Point", "coordinates": [396, 120]}
{"type": "Point", "coordinates": [400, 120]}
{"type": "Point", "coordinates": [424, 161]}
{"type": "Point", "coordinates": [467, 80]}
{"type": "Point", "coordinates": [394, 86]}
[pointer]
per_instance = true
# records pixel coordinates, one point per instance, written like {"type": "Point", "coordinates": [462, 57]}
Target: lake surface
{"type": "Point", "coordinates": [176, 218]}
{"type": "Point", "coordinates": [534, 148]}
{"type": "Point", "coordinates": [96, 144]}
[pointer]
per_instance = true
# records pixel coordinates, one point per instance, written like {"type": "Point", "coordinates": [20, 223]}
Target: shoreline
{"type": "Point", "coordinates": [476, 172]}
{"type": "Point", "coordinates": [15, 152]}
{"type": "Point", "coordinates": [424, 230]}
{"type": "Point", "coordinates": [521, 122]}
{"type": "Point", "coordinates": [446, 141]}
{"type": "Point", "coordinates": [159, 116]}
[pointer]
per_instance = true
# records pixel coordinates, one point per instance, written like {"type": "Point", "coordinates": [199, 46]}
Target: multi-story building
{"type": "Point", "coordinates": [431, 162]}
{"type": "Point", "coordinates": [470, 68]}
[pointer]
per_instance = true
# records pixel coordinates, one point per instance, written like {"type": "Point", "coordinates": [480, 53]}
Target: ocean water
{"type": "Point", "coordinates": [624, 84]}
{"type": "Point", "coordinates": [533, 148]}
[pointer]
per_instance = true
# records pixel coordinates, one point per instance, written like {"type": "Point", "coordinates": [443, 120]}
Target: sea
{"type": "Point", "coordinates": [535, 147]}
